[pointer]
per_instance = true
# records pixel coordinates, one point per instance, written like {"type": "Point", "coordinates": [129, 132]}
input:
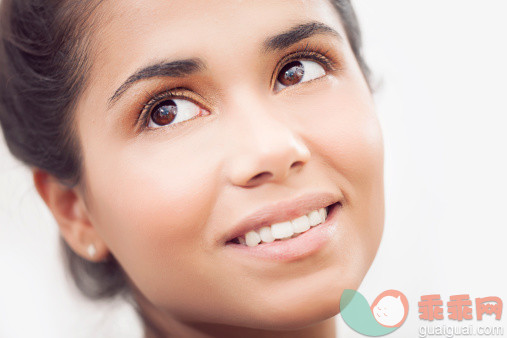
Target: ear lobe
{"type": "Point", "coordinates": [69, 210]}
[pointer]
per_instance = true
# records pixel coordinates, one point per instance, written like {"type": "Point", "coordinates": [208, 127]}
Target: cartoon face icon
{"type": "Point", "coordinates": [390, 308]}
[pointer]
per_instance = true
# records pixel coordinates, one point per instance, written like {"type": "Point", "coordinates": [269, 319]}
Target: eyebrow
{"type": "Point", "coordinates": [187, 67]}
{"type": "Point", "coordinates": [298, 33]}
{"type": "Point", "coordinates": [178, 68]}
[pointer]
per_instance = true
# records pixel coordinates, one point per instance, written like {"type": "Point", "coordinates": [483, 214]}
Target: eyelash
{"type": "Point", "coordinates": [315, 53]}
{"type": "Point", "coordinates": [174, 93]}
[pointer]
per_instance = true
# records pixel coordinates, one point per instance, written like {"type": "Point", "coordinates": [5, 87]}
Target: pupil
{"type": "Point", "coordinates": [165, 112]}
{"type": "Point", "coordinates": [291, 73]}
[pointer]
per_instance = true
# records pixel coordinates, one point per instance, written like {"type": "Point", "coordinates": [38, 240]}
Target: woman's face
{"type": "Point", "coordinates": [244, 117]}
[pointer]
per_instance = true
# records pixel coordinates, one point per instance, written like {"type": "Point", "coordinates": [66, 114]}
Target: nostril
{"type": "Point", "coordinates": [297, 164]}
{"type": "Point", "coordinates": [266, 175]}
{"type": "Point", "coordinates": [259, 177]}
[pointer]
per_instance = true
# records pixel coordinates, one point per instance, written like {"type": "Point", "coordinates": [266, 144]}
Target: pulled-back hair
{"type": "Point", "coordinates": [43, 65]}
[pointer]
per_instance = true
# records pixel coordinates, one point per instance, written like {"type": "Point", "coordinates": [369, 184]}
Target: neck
{"type": "Point", "coordinates": [324, 329]}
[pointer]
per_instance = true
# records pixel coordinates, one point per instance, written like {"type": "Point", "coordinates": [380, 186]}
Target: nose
{"type": "Point", "coordinates": [265, 149]}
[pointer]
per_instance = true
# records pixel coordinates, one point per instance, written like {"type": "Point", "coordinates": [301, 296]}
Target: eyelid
{"type": "Point", "coordinates": [308, 53]}
{"type": "Point", "coordinates": [170, 94]}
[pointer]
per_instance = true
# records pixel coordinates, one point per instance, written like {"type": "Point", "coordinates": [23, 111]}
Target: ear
{"type": "Point", "coordinates": [70, 212]}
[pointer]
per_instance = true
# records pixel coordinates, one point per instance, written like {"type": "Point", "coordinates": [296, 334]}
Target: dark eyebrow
{"type": "Point", "coordinates": [298, 33]}
{"type": "Point", "coordinates": [179, 68]}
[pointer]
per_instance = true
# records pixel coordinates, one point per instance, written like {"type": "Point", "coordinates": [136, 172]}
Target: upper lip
{"type": "Point", "coordinates": [280, 212]}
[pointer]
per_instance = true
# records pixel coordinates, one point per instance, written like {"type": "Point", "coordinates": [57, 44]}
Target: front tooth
{"type": "Point", "coordinates": [323, 214]}
{"type": "Point", "coordinates": [266, 235]}
{"type": "Point", "coordinates": [314, 218]}
{"type": "Point", "coordinates": [301, 224]}
{"type": "Point", "coordinates": [282, 230]}
{"type": "Point", "coordinates": [252, 238]}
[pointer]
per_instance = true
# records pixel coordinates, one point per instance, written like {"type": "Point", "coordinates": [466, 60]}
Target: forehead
{"type": "Point", "coordinates": [203, 20]}
{"type": "Point", "coordinates": [139, 32]}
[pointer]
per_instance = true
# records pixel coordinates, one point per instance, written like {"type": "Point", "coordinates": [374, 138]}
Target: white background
{"type": "Point", "coordinates": [442, 106]}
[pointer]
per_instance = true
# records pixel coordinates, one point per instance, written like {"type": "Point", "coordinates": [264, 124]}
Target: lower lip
{"type": "Point", "coordinates": [298, 247]}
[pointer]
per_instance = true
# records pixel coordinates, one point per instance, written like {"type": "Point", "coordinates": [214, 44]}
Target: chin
{"type": "Point", "coordinates": [293, 318]}
{"type": "Point", "coordinates": [301, 309]}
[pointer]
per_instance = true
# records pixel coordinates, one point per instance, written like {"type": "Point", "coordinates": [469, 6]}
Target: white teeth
{"type": "Point", "coordinates": [252, 238]}
{"type": "Point", "coordinates": [314, 218]}
{"type": "Point", "coordinates": [301, 224]}
{"type": "Point", "coordinates": [282, 230]}
{"type": "Point", "coordinates": [266, 235]}
{"type": "Point", "coordinates": [323, 214]}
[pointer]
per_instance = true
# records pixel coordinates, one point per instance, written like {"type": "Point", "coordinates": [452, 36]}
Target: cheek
{"type": "Point", "coordinates": [337, 119]}
{"type": "Point", "coordinates": [345, 130]}
{"type": "Point", "coordinates": [343, 133]}
{"type": "Point", "coordinates": [149, 207]}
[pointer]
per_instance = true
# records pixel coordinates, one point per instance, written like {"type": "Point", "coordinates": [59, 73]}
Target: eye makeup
{"type": "Point", "coordinates": [169, 94]}
{"type": "Point", "coordinates": [314, 53]}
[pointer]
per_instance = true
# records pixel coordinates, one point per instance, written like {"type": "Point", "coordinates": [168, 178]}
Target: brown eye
{"type": "Point", "coordinates": [174, 111]}
{"type": "Point", "coordinates": [164, 112]}
{"type": "Point", "coordinates": [296, 72]}
{"type": "Point", "coordinates": [291, 73]}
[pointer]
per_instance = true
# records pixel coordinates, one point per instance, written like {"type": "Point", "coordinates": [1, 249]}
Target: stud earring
{"type": "Point", "coordinates": [91, 250]}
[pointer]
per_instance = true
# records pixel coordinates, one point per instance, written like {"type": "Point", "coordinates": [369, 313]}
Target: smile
{"type": "Point", "coordinates": [283, 230]}
{"type": "Point", "coordinates": [288, 240]}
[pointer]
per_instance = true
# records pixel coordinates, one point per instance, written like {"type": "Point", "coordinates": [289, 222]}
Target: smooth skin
{"type": "Point", "coordinates": [161, 198]}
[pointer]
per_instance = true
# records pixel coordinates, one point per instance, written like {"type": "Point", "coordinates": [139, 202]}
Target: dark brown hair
{"type": "Point", "coordinates": [43, 66]}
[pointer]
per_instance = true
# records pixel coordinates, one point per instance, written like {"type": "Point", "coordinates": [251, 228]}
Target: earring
{"type": "Point", "coordinates": [91, 250]}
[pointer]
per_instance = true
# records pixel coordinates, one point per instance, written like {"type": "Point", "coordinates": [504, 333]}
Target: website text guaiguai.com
{"type": "Point", "coordinates": [460, 331]}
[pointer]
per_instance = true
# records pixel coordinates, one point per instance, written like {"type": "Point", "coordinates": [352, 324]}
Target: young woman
{"type": "Point", "coordinates": [218, 163]}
